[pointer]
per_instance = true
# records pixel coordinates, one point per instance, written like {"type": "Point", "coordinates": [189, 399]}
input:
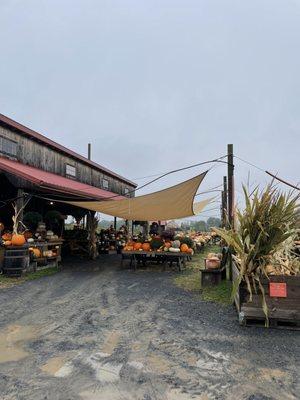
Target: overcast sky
{"type": "Point", "coordinates": [157, 85]}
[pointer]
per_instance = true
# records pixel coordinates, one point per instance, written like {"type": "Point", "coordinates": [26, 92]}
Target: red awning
{"type": "Point", "coordinates": [57, 183]}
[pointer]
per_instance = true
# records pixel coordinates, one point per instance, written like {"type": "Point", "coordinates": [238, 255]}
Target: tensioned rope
{"type": "Point", "coordinates": [269, 173]}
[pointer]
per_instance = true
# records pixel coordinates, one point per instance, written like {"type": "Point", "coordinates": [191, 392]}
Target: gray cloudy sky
{"type": "Point", "coordinates": [156, 85]}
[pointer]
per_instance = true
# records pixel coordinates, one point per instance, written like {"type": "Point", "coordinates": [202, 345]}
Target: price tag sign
{"type": "Point", "coordinates": [278, 289]}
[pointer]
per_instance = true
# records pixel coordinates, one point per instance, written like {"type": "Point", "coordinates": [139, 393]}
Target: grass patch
{"type": "Point", "coordinates": [190, 280]}
{"type": "Point", "coordinates": [219, 294]}
{"type": "Point", "coordinates": [6, 281]}
{"type": "Point", "coordinates": [39, 274]}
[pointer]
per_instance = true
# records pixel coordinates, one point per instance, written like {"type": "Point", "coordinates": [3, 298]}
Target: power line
{"type": "Point", "coordinates": [269, 173]}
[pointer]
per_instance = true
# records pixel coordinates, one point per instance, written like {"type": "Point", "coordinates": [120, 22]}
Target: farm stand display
{"type": "Point", "coordinates": [157, 250]}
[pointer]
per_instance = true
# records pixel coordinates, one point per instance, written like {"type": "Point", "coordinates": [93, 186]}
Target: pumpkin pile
{"type": "Point", "coordinates": [13, 239]}
{"type": "Point", "coordinates": [156, 243]}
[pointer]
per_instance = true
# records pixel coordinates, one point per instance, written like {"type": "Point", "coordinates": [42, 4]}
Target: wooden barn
{"type": "Point", "coordinates": [32, 164]}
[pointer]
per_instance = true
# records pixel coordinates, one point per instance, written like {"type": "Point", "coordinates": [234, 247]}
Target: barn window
{"type": "Point", "coordinates": [70, 170]}
{"type": "Point", "coordinates": [126, 191]}
{"type": "Point", "coordinates": [8, 147]}
{"type": "Point", "coordinates": [105, 183]}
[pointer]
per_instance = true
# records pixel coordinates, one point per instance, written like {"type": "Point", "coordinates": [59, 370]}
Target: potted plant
{"type": "Point", "coordinates": [31, 219]}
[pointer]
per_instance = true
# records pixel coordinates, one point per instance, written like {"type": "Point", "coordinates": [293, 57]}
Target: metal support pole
{"type": "Point", "coordinates": [230, 182]}
{"type": "Point", "coordinates": [224, 202]}
{"type": "Point", "coordinates": [230, 174]}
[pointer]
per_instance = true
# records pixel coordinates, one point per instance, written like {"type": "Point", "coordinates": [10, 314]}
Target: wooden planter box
{"type": "Point", "coordinates": [284, 312]}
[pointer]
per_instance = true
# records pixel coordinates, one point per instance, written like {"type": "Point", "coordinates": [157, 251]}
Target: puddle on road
{"type": "Point", "coordinates": [158, 364]}
{"type": "Point", "coordinates": [104, 371]}
{"type": "Point", "coordinates": [12, 340]}
{"type": "Point", "coordinates": [58, 367]}
{"type": "Point", "coordinates": [111, 342]}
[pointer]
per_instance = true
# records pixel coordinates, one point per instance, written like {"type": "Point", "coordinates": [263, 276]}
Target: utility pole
{"type": "Point", "coordinates": [230, 178]}
{"type": "Point", "coordinates": [89, 151]}
{"type": "Point", "coordinates": [224, 202]}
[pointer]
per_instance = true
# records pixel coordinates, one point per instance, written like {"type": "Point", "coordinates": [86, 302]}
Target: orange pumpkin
{"type": "Point", "coordinates": [137, 246]}
{"type": "Point", "coordinates": [36, 252]}
{"type": "Point", "coordinates": [184, 248]}
{"type": "Point", "coordinates": [7, 236]}
{"type": "Point", "coordinates": [190, 251]}
{"type": "Point", "coordinates": [146, 246]}
{"type": "Point", "coordinates": [18, 240]}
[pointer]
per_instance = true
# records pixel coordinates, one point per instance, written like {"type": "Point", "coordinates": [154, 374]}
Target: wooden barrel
{"type": "Point", "coordinates": [16, 260]}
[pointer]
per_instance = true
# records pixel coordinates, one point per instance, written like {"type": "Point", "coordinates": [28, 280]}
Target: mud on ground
{"type": "Point", "coordinates": [94, 332]}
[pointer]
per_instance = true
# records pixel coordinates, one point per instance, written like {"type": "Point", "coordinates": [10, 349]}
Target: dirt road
{"type": "Point", "coordinates": [104, 334]}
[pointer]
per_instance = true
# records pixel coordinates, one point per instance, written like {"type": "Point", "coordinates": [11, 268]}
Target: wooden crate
{"type": "Point", "coordinates": [284, 312]}
{"type": "Point", "coordinates": [16, 260]}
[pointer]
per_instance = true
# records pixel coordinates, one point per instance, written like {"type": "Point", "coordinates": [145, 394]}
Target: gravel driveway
{"type": "Point", "coordinates": [95, 332]}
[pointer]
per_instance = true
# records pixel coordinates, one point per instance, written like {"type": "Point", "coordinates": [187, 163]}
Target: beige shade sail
{"type": "Point", "coordinates": [171, 203]}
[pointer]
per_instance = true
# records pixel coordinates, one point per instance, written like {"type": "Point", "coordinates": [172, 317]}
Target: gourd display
{"type": "Point", "coordinates": [137, 246]}
{"type": "Point", "coordinates": [184, 248]}
{"type": "Point", "coordinates": [146, 246]}
{"type": "Point", "coordinates": [156, 243]}
{"type": "Point", "coordinates": [174, 250]}
{"type": "Point", "coordinates": [36, 252]}
{"type": "Point", "coordinates": [176, 244]}
{"type": "Point", "coordinates": [128, 248]}
{"type": "Point", "coordinates": [17, 239]}
{"type": "Point", "coordinates": [7, 236]}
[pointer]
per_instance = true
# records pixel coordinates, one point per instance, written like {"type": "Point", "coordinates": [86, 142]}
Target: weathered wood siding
{"type": "Point", "coordinates": [40, 156]}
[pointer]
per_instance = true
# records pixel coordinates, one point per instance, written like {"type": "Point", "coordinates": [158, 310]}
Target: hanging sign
{"type": "Point", "coordinates": [277, 289]}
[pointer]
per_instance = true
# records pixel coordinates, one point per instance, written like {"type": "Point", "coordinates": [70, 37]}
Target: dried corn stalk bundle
{"type": "Point", "coordinates": [262, 242]}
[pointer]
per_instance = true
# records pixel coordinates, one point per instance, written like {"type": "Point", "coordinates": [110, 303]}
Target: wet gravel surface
{"type": "Point", "coordinates": [95, 332]}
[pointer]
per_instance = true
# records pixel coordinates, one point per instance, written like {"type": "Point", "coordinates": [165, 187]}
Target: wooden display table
{"type": "Point", "coordinates": [44, 247]}
{"type": "Point", "coordinates": [162, 257]}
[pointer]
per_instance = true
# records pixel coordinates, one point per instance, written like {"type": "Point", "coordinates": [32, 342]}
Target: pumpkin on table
{"type": "Point", "coordinates": [184, 248]}
{"type": "Point", "coordinates": [7, 236]}
{"type": "Point", "coordinates": [36, 252]}
{"type": "Point", "coordinates": [137, 246]}
{"type": "Point", "coordinates": [146, 246]}
{"type": "Point", "coordinates": [18, 239]}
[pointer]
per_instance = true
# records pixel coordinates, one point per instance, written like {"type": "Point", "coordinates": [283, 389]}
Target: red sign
{"type": "Point", "coordinates": [278, 289]}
